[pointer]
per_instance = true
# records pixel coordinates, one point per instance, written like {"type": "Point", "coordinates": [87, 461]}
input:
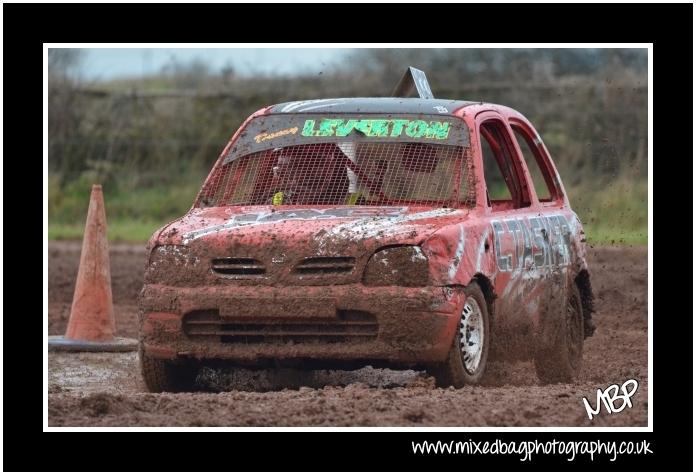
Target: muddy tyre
{"type": "Point", "coordinates": [167, 375]}
{"type": "Point", "coordinates": [468, 355]}
{"type": "Point", "coordinates": [562, 361]}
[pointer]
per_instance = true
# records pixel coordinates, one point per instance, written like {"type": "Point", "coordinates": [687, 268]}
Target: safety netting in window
{"type": "Point", "coordinates": [349, 173]}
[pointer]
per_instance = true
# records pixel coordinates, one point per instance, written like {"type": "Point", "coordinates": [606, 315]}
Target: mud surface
{"type": "Point", "coordinates": [107, 390]}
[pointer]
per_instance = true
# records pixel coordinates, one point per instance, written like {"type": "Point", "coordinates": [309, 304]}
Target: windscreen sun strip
{"type": "Point", "coordinates": [283, 130]}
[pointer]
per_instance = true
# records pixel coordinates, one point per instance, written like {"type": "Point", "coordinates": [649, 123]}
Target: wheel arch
{"type": "Point", "coordinates": [487, 289]}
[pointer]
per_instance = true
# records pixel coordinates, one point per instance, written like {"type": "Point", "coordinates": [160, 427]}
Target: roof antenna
{"type": "Point", "coordinates": [413, 77]}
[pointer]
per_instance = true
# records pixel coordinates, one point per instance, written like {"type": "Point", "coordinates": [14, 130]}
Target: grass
{"type": "Point", "coordinates": [133, 212]}
{"type": "Point", "coordinates": [616, 237]}
{"type": "Point", "coordinates": [615, 214]}
{"type": "Point", "coordinates": [140, 203]}
{"type": "Point", "coordinates": [118, 230]}
{"type": "Point", "coordinates": [140, 231]}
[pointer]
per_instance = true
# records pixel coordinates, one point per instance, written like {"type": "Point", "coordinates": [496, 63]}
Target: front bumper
{"type": "Point", "coordinates": [411, 325]}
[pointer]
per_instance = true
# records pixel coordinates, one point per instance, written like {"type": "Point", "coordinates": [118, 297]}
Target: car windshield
{"type": "Point", "coordinates": [302, 161]}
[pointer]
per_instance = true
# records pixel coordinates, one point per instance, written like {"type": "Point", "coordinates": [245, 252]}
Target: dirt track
{"type": "Point", "coordinates": [106, 389]}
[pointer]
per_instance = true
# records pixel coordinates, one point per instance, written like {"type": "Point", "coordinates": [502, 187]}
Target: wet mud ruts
{"type": "Point", "coordinates": [107, 390]}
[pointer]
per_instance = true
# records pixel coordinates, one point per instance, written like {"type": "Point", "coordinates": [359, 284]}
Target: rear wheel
{"type": "Point", "coordinates": [562, 361]}
{"type": "Point", "coordinates": [168, 375]}
{"type": "Point", "coordinates": [467, 358]}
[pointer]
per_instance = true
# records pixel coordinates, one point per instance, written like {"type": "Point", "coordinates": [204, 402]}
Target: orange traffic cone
{"type": "Point", "coordinates": [92, 326]}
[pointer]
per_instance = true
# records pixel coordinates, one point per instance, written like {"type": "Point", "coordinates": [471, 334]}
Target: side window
{"type": "Point", "coordinates": [495, 183]}
{"type": "Point", "coordinates": [505, 188]}
{"type": "Point", "coordinates": [541, 177]}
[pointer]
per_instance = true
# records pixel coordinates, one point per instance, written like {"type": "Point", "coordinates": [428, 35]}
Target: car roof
{"type": "Point", "coordinates": [371, 105]}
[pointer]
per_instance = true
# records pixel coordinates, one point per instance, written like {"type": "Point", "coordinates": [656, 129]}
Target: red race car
{"type": "Point", "coordinates": [395, 232]}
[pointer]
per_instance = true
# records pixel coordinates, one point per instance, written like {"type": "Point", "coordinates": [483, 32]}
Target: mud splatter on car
{"type": "Point", "coordinates": [344, 232]}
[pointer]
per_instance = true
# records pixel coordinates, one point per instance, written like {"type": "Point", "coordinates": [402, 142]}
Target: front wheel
{"type": "Point", "coordinates": [467, 358]}
{"type": "Point", "coordinates": [168, 376]}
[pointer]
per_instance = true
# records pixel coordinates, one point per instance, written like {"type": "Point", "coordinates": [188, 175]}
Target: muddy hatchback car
{"type": "Point", "coordinates": [393, 232]}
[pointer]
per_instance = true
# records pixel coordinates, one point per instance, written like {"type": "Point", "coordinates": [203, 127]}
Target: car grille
{"type": "Point", "coordinates": [349, 326]}
{"type": "Point", "coordinates": [325, 265]}
{"type": "Point", "coordinates": [238, 267]}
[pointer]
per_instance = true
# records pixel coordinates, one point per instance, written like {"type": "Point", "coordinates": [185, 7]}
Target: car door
{"type": "Point", "coordinates": [520, 248]}
{"type": "Point", "coordinates": [552, 228]}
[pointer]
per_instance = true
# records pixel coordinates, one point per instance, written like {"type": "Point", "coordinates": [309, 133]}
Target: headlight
{"type": "Point", "coordinates": [171, 254]}
{"type": "Point", "coordinates": [168, 263]}
{"type": "Point", "coordinates": [406, 266]}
